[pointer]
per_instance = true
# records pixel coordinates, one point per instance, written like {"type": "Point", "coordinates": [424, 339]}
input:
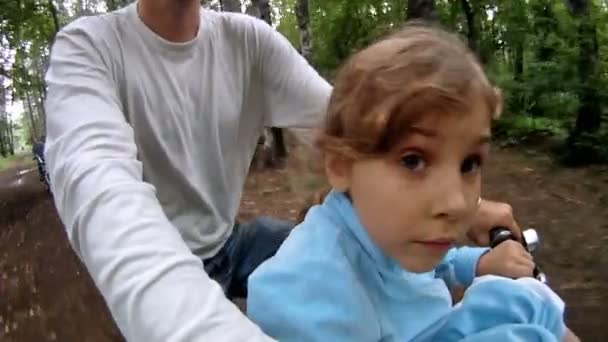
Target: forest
{"type": "Point", "coordinates": [547, 56]}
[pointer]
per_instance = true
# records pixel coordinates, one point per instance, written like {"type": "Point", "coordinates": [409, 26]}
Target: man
{"type": "Point", "coordinates": [38, 153]}
{"type": "Point", "coordinates": [153, 116]}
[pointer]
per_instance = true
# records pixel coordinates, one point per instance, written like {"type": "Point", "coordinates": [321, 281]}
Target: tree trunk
{"type": "Point", "coordinates": [278, 142]}
{"type": "Point", "coordinates": [79, 8]}
{"type": "Point", "coordinates": [548, 19]}
{"type": "Point", "coordinates": [3, 151]}
{"type": "Point", "coordinates": [231, 5]}
{"type": "Point", "coordinates": [265, 10]}
{"type": "Point", "coordinates": [589, 113]}
{"type": "Point", "coordinates": [55, 17]}
{"type": "Point", "coordinates": [111, 5]}
{"type": "Point", "coordinates": [11, 137]}
{"type": "Point", "coordinates": [588, 118]}
{"type": "Point", "coordinates": [39, 89]}
{"type": "Point", "coordinates": [37, 104]}
{"type": "Point", "coordinates": [472, 28]}
{"type": "Point", "coordinates": [518, 63]}
{"type": "Point", "coordinates": [581, 146]}
{"type": "Point", "coordinates": [30, 112]}
{"type": "Point", "coordinates": [3, 100]}
{"type": "Point", "coordinates": [303, 20]}
{"type": "Point", "coordinates": [3, 136]}
{"type": "Point", "coordinates": [518, 74]}
{"type": "Point", "coordinates": [422, 9]}
{"type": "Point", "coordinates": [41, 114]}
{"type": "Point", "coordinates": [280, 148]}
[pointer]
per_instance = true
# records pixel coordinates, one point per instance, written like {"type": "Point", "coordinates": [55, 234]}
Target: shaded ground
{"type": "Point", "coordinates": [45, 295]}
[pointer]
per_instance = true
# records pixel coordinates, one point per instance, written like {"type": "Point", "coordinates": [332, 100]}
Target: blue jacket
{"type": "Point", "coordinates": [330, 282]}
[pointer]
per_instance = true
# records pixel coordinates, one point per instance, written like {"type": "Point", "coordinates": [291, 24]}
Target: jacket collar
{"type": "Point", "coordinates": [339, 206]}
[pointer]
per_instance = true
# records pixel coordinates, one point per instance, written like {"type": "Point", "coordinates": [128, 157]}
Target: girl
{"type": "Point", "coordinates": [407, 133]}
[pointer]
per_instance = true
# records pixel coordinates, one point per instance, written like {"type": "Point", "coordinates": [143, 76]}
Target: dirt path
{"type": "Point", "coordinates": [45, 295]}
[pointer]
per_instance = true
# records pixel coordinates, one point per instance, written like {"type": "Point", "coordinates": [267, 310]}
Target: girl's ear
{"type": "Point", "coordinates": [338, 170]}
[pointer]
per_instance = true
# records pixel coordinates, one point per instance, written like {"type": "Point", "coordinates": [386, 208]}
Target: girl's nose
{"type": "Point", "coordinates": [450, 198]}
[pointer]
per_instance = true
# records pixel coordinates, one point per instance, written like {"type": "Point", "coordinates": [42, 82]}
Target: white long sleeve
{"type": "Point", "coordinates": [155, 287]}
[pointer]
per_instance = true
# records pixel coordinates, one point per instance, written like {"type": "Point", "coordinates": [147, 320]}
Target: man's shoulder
{"type": "Point", "coordinates": [233, 23]}
{"type": "Point", "coordinates": [99, 26]}
{"type": "Point", "coordinates": [232, 19]}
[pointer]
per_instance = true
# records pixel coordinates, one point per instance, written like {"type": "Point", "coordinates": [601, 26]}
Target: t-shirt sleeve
{"type": "Point", "coordinates": [296, 95]}
{"type": "Point", "coordinates": [155, 288]}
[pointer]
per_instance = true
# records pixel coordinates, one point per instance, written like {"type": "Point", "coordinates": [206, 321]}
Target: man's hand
{"type": "Point", "coordinates": [509, 259]}
{"type": "Point", "coordinates": [491, 214]}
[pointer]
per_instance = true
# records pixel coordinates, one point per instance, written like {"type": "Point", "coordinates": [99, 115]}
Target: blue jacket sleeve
{"type": "Point", "coordinates": [309, 299]}
{"type": "Point", "coordinates": [459, 267]}
{"type": "Point", "coordinates": [502, 309]}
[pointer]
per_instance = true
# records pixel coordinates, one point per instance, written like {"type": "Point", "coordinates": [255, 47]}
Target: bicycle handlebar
{"type": "Point", "coordinates": [530, 241]}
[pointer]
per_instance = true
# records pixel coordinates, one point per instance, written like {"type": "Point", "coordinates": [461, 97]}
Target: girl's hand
{"type": "Point", "coordinates": [491, 214]}
{"type": "Point", "coordinates": [509, 259]}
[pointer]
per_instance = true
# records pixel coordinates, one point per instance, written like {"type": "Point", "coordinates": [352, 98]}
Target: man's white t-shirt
{"type": "Point", "coordinates": [148, 146]}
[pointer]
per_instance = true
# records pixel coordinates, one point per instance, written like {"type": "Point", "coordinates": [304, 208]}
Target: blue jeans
{"type": "Point", "coordinates": [247, 247]}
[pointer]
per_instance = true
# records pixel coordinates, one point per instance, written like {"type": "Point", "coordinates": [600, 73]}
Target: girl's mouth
{"type": "Point", "coordinates": [438, 244]}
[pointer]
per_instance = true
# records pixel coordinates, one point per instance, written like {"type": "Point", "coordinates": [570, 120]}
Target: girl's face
{"type": "Point", "coordinates": [419, 199]}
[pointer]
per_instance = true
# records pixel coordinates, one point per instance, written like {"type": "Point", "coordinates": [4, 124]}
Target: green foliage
{"type": "Point", "coordinates": [341, 27]}
{"type": "Point", "coordinates": [549, 58]}
{"type": "Point", "coordinates": [288, 25]}
{"type": "Point", "coordinates": [519, 129]}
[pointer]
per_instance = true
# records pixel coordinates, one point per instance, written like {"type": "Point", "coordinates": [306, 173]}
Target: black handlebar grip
{"type": "Point", "coordinates": [499, 235]}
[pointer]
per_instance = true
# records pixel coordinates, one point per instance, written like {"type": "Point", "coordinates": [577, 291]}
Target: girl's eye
{"type": "Point", "coordinates": [471, 164]}
{"type": "Point", "coordinates": [413, 162]}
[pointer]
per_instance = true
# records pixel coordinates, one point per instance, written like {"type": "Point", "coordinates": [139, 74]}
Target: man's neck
{"type": "Point", "coordinates": [174, 20]}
